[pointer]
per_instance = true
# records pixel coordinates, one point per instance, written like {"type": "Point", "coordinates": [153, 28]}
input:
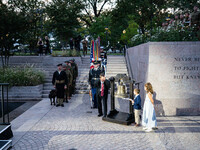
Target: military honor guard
{"type": "Point", "coordinates": [60, 82]}
{"type": "Point", "coordinates": [94, 75]}
{"type": "Point", "coordinates": [66, 68]}
{"type": "Point", "coordinates": [103, 86]}
{"type": "Point", "coordinates": [75, 74]}
{"type": "Point", "coordinates": [103, 56]}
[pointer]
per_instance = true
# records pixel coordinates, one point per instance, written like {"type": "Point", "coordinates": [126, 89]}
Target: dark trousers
{"type": "Point", "coordinates": [84, 51]}
{"type": "Point", "coordinates": [47, 50]}
{"type": "Point", "coordinates": [94, 97]}
{"type": "Point", "coordinates": [104, 99]}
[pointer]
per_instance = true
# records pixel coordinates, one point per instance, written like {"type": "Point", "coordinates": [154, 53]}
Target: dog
{"type": "Point", "coordinates": [52, 97]}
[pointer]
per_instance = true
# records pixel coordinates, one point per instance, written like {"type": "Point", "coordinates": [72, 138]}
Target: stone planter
{"type": "Point", "coordinates": [25, 92]}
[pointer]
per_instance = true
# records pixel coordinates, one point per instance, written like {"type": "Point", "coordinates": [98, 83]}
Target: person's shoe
{"type": "Point", "coordinates": [67, 101]}
{"type": "Point", "coordinates": [62, 105]}
{"type": "Point", "coordinates": [57, 105]}
{"type": "Point", "coordinates": [145, 128]}
{"type": "Point", "coordinates": [137, 125]}
{"type": "Point", "coordinates": [148, 130]}
{"type": "Point", "coordinates": [99, 115]}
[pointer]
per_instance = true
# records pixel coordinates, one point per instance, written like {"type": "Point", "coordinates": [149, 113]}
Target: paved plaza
{"type": "Point", "coordinates": [76, 126]}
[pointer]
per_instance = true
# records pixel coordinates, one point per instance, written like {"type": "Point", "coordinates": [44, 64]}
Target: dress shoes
{"type": "Point", "coordinates": [57, 105]}
{"type": "Point", "coordinates": [99, 115]}
{"type": "Point", "coordinates": [137, 125]}
{"type": "Point", "coordinates": [62, 105]}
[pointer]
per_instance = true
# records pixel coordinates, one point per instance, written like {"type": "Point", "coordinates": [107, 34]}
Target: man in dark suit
{"type": "Point", "coordinates": [103, 86]}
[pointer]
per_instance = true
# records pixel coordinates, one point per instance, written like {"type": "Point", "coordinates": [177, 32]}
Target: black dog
{"type": "Point", "coordinates": [52, 96]}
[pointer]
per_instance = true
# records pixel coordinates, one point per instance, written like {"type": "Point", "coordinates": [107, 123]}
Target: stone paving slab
{"type": "Point", "coordinates": [76, 126]}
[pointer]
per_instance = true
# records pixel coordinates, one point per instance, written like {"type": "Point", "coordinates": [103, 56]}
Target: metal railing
{"type": "Point", "coordinates": [4, 86]}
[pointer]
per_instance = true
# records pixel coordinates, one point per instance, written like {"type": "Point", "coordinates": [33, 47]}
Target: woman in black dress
{"type": "Point", "coordinates": [40, 46]}
{"type": "Point", "coordinates": [47, 49]}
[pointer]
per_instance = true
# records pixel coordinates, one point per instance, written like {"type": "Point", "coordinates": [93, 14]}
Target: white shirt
{"type": "Point", "coordinates": [136, 96]}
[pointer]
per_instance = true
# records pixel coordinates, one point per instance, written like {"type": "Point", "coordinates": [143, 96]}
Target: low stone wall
{"type": "Point", "coordinates": [24, 93]}
{"type": "Point", "coordinates": [173, 68]}
{"type": "Point", "coordinates": [39, 61]}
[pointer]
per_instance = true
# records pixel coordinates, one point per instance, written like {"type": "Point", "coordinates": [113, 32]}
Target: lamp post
{"type": "Point", "coordinates": [106, 28]}
{"type": "Point", "coordinates": [124, 32]}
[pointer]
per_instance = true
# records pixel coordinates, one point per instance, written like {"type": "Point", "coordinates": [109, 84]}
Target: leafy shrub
{"type": "Point", "coordinates": [21, 76]}
{"type": "Point", "coordinates": [171, 34]}
{"type": "Point", "coordinates": [75, 53]}
{"type": "Point", "coordinates": [66, 53]}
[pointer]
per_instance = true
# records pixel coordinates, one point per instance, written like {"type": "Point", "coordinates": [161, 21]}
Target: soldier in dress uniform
{"type": "Point", "coordinates": [75, 73]}
{"type": "Point", "coordinates": [66, 68]}
{"type": "Point", "coordinates": [101, 67]}
{"type": "Point", "coordinates": [60, 82]}
{"type": "Point", "coordinates": [71, 79]}
{"type": "Point", "coordinates": [94, 75]}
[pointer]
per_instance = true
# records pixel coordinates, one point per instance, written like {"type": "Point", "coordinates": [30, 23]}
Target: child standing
{"type": "Point", "coordinates": [137, 106]}
{"type": "Point", "coordinates": [149, 115]}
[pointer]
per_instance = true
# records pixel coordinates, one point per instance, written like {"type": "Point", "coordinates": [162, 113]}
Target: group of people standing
{"type": "Point", "coordinates": [43, 47]}
{"type": "Point", "coordinates": [184, 21]}
{"type": "Point", "coordinates": [149, 121]}
{"type": "Point", "coordinates": [75, 43]}
{"type": "Point", "coordinates": [64, 81]}
{"type": "Point", "coordinates": [99, 89]}
{"type": "Point", "coordinates": [99, 85]}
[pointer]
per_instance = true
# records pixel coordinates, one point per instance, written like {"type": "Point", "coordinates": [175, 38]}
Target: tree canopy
{"type": "Point", "coordinates": [64, 19]}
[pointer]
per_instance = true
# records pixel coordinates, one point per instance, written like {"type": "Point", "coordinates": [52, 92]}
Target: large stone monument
{"type": "Point", "coordinates": [173, 68]}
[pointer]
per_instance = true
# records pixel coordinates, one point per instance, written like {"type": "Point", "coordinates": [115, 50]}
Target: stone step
{"type": "Point", "coordinates": [113, 74]}
{"type": "Point", "coordinates": [48, 88]}
{"type": "Point", "coordinates": [23, 96]}
{"type": "Point", "coordinates": [116, 72]}
{"type": "Point", "coordinates": [81, 84]}
{"type": "Point", "coordinates": [117, 68]}
{"type": "Point", "coordinates": [82, 92]}
{"type": "Point", "coordinates": [46, 91]}
{"type": "Point", "coordinates": [24, 99]}
{"type": "Point", "coordinates": [116, 61]}
{"type": "Point", "coordinates": [117, 64]}
{"type": "Point", "coordinates": [45, 95]}
{"type": "Point", "coordinates": [83, 88]}
{"type": "Point", "coordinates": [82, 81]}
{"type": "Point", "coordinates": [48, 84]}
{"type": "Point", "coordinates": [26, 94]}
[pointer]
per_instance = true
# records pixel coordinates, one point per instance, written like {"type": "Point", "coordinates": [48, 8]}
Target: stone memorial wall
{"type": "Point", "coordinates": [173, 68]}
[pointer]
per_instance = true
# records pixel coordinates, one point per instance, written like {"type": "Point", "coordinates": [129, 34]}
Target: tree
{"type": "Point", "coordinates": [98, 28]}
{"type": "Point", "coordinates": [34, 14]}
{"type": "Point", "coordinates": [93, 9]}
{"type": "Point", "coordinates": [129, 32]}
{"type": "Point", "coordinates": [12, 24]}
{"type": "Point", "coordinates": [184, 5]}
{"type": "Point", "coordinates": [64, 18]}
{"type": "Point", "coordinates": [142, 12]}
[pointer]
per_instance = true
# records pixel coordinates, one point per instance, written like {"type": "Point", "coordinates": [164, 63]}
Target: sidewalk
{"type": "Point", "coordinates": [76, 126]}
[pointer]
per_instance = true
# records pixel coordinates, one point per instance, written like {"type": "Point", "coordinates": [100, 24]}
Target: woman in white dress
{"type": "Point", "coordinates": [149, 115]}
